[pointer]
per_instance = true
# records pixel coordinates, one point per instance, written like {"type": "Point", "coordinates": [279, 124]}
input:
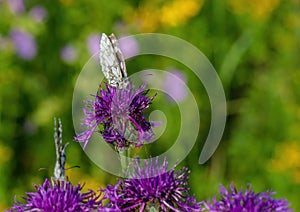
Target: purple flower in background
{"type": "Point", "coordinates": [174, 85]}
{"type": "Point", "coordinates": [93, 42]}
{"type": "Point", "coordinates": [29, 127]}
{"type": "Point", "coordinates": [16, 6]}
{"type": "Point", "coordinates": [119, 112]}
{"type": "Point", "coordinates": [58, 196]}
{"type": "Point", "coordinates": [236, 201]}
{"type": "Point", "coordinates": [129, 47]}
{"type": "Point", "coordinates": [38, 13]}
{"type": "Point", "coordinates": [68, 54]}
{"type": "Point", "coordinates": [151, 187]}
{"type": "Point", "coordinates": [24, 43]}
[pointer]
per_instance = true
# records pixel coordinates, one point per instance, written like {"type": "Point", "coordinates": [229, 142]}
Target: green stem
{"type": "Point", "coordinates": [123, 159]}
{"type": "Point", "coordinates": [124, 156]}
{"type": "Point", "coordinates": [233, 57]}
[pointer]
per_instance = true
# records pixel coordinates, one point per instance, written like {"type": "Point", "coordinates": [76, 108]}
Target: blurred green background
{"type": "Point", "coordinates": [254, 46]}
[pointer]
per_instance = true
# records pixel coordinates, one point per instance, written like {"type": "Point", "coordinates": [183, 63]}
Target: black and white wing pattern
{"type": "Point", "coordinates": [59, 170]}
{"type": "Point", "coordinates": [112, 61]}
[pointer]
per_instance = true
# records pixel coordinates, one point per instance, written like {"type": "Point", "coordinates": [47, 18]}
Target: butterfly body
{"type": "Point", "coordinates": [112, 61]}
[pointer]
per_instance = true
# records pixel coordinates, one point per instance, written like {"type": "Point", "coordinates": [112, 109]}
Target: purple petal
{"type": "Point", "coordinates": [58, 196]}
{"type": "Point", "coordinates": [120, 113]}
{"type": "Point", "coordinates": [24, 43]}
{"type": "Point", "coordinates": [93, 42]}
{"type": "Point", "coordinates": [68, 54]}
{"type": "Point", "coordinates": [233, 200]}
{"type": "Point", "coordinates": [129, 46]}
{"type": "Point", "coordinates": [38, 13]}
{"type": "Point", "coordinates": [174, 85]}
{"type": "Point", "coordinates": [152, 184]}
{"type": "Point", "coordinates": [16, 6]}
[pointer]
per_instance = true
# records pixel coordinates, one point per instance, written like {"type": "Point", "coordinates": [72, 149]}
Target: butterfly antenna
{"type": "Point", "coordinates": [72, 167]}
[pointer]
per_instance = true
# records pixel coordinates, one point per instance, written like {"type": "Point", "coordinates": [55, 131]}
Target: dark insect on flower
{"type": "Point", "coordinates": [119, 115]}
{"type": "Point", "coordinates": [237, 201]}
{"type": "Point", "coordinates": [58, 196]}
{"type": "Point", "coordinates": [151, 188]}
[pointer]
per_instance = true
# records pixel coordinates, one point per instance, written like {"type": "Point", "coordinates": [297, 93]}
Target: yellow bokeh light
{"type": "Point", "coordinates": [6, 153]}
{"type": "Point", "coordinates": [287, 159]}
{"type": "Point", "coordinates": [76, 176]}
{"type": "Point", "coordinates": [257, 9]}
{"type": "Point", "coordinates": [179, 11]}
{"type": "Point", "coordinates": [152, 15]}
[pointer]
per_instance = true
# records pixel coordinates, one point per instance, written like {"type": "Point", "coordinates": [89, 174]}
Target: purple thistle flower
{"type": "Point", "coordinates": [38, 13]}
{"type": "Point", "coordinates": [68, 54]}
{"type": "Point", "coordinates": [175, 85]}
{"type": "Point", "coordinates": [93, 42]}
{"type": "Point", "coordinates": [119, 113]}
{"type": "Point", "coordinates": [24, 43]}
{"type": "Point", "coordinates": [234, 201]}
{"type": "Point", "coordinates": [151, 187]}
{"type": "Point", "coordinates": [129, 46]}
{"type": "Point", "coordinates": [58, 196]}
{"type": "Point", "coordinates": [16, 6]}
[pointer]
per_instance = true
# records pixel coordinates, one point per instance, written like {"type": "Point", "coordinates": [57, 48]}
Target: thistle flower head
{"type": "Point", "coordinates": [152, 186]}
{"type": "Point", "coordinates": [24, 42]}
{"type": "Point", "coordinates": [58, 196]}
{"type": "Point", "coordinates": [237, 201]}
{"type": "Point", "coordinates": [119, 115]}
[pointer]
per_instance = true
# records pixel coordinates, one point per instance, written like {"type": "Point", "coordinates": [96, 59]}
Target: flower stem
{"type": "Point", "coordinates": [124, 155]}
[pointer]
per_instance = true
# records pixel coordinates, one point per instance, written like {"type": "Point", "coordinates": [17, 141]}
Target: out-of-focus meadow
{"type": "Point", "coordinates": [254, 46]}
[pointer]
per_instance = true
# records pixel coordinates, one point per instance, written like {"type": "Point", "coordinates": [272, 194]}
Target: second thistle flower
{"type": "Point", "coordinates": [117, 114]}
{"type": "Point", "coordinates": [151, 187]}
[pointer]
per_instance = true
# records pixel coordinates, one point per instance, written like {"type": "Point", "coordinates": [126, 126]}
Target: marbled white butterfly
{"type": "Point", "coordinates": [112, 61]}
{"type": "Point", "coordinates": [59, 170]}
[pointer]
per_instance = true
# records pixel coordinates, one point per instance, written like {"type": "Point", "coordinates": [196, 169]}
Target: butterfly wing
{"type": "Point", "coordinates": [59, 170]}
{"type": "Point", "coordinates": [119, 55]}
{"type": "Point", "coordinates": [112, 61]}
